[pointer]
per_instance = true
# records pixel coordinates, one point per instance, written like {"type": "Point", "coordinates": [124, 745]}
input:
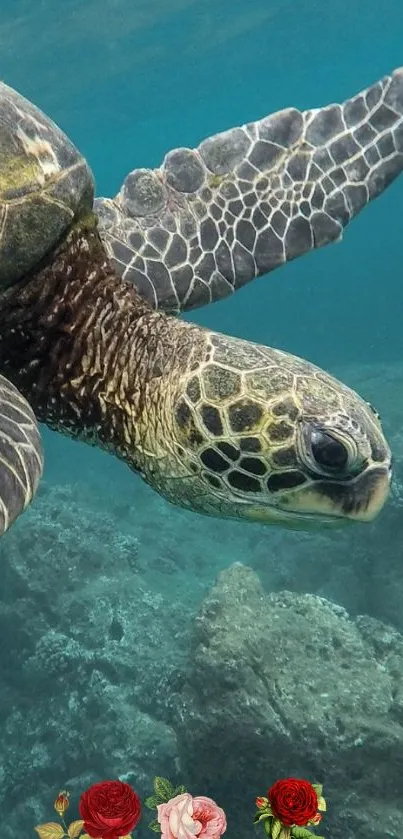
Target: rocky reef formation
{"type": "Point", "coordinates": [86, 661]}
{"type": "Point", "coordinates": [286, 684]}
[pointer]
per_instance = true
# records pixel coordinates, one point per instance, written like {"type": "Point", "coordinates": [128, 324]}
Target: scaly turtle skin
{"type": "Point", "coordinates": [216, 424]}
{"type": "Point", "coordinates": [21, 455]}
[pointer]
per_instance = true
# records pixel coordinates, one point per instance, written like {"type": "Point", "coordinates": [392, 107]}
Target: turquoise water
{"type": "Point", "coordinates": [98, 554]}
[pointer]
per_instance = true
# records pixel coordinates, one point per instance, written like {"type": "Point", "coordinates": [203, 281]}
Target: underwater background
{"type": "Point", "coordinates": [138, 639]}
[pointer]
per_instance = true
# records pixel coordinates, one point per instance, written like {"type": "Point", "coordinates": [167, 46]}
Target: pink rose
{"type": "Point", "coordinates": [184, 817]}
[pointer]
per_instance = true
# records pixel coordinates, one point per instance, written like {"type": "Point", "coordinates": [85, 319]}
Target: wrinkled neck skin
{"type": "Point", "coordinates": [209, 422]}
{"type": "Point", "coordinates": [86, 350]}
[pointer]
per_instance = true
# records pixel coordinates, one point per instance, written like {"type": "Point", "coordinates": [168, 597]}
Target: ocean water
{"type": "Point", "coordinates": [115, 634]}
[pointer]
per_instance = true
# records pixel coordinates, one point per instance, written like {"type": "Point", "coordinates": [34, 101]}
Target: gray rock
{"type": "Point", "coordinates": [288, 685]}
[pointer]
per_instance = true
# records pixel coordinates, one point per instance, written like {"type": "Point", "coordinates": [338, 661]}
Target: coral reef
{"type": "Point", "coordinates": [86, 660]}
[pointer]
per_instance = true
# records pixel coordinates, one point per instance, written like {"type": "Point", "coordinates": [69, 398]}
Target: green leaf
{"type": "Point", "coordinates": [180, 790]}
{"type": "Point", "coordinates": [267, 825]}
{"type": "Point", "coordinates": [318, 789]}
{"type": "Point", "coordinates": [74, 829]}
{"type": "Point", "coordinates": [155, 826]}
{"type": "Point", "coordinates": [276, 828]}
{"type": "Point", "coordinates": [50, 830]}
{"type": "Point", "coordinates": [152, 801]}
{"type": "Point", "coordinates": [302, 833]}
{"type": "Point", "coordinates": [264, 810]}
{"type": "Point", "coordinates": [163, 789]}
{"type": "Point", "coordinates": [261, 816]}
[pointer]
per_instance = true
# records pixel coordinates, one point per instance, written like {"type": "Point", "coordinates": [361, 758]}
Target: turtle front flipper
{"type": "Point", "coordinates": [247, 200]}
{"type": "Point", "coordinates": [21, 454]}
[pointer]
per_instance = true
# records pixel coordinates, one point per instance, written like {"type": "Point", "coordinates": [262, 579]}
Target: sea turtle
{"type": "Point", "coordinates": [89, 291]}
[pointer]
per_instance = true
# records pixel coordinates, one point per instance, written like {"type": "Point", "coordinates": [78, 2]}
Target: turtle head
{"type": "Point", "coordinates": [260, 435]}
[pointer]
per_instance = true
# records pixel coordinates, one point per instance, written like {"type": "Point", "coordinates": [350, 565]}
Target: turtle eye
{"type": "Point", "coordinates": [328, 452]}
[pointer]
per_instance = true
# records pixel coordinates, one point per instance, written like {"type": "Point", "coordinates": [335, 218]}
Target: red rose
{"type": "Point", "coordinates": [109, 810]}
{"type": "Point", "coordinates": [293, 801]}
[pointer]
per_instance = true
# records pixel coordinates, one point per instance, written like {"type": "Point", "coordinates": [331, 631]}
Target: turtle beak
{"type": "Point", "coordinates": [360, 499]}
{"type": "Point", "coordinates": [371, 494]}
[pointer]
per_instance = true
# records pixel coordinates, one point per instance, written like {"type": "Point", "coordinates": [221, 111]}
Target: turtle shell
{"type": "Point", "coordinates": [45, 184]}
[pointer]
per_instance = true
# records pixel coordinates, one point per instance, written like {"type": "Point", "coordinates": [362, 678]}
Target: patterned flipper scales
{"type": "Point", "coordinates": [247, 200]}
{"type": "Point", "coordinates": [21, 455]}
